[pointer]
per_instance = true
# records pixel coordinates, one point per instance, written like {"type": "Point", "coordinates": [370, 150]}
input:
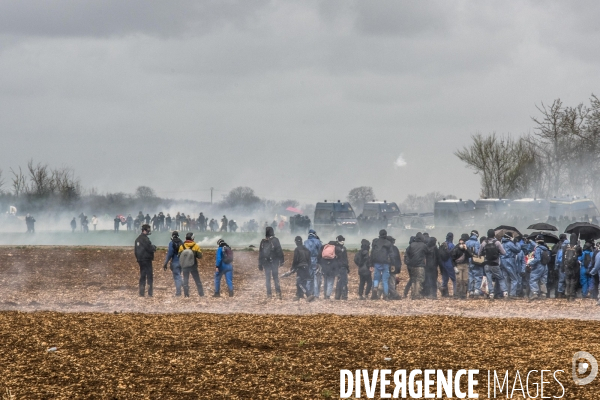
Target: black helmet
{"type": "Point", "coordinates": [189, 236]}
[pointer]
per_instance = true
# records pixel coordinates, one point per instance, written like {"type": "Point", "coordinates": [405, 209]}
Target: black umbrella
{"type": "Point", "coordinates": [502, 229]}
{"type": "Point", "coordinates": [548, 237]}
{"type": "Point", "coordinates": [585, 230]}
{"type": "Point", "coordinates": [542, 226]}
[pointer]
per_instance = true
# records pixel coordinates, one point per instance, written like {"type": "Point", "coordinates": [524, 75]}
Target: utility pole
{"type": "Point", "coordinates": [211, 191]}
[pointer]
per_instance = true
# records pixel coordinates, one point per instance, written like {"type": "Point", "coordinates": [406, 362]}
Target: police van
{"type": "Point", "coordinates": [334, 217]}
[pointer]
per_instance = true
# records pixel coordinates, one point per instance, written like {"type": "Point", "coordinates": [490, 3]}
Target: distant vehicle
{"type": "Point", "coordinates": [529, 210]}
{"type": "Point", "coordinates": [491, 211]}
{"type": "Point", "coordinates": [377, 215]}
{"type": "Point", "coordinates": [414, 221]}
{"type": "Point", "coordinates": [577, 208]}
{"type": "Point", "coordinates": [335, 217]}
{"type": "Point", "coordinates": [454, 213]}
{"type": "Point", "coordinates": [380, 209]}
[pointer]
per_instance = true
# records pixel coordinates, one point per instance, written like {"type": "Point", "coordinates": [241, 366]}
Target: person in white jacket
{"type": "Point", "coordinates": [94, 221]}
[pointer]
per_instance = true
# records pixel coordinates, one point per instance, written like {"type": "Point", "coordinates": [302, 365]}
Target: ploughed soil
{"type": "Point", "coordinates": [112, 344]}
{"type": "Point", "coordinates": [244, 356]}
{"type": "Point", "coordinates": [105, 279]}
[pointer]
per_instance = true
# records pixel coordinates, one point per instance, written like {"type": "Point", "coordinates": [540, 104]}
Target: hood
{"type": "Point", "coordinates": [383, 234]}
{"type": "Point", "coordinates": [312, 232]}
{"type": "Point", "coordinates": [188, 244]}
{"type": "Point", "coordinates": [412, 239]}
{"type": "Point", "coordinates": [450, 237]}
{"type": "Point", "coordinates": [269, 232]}
{"type": "Point", "coordinates": [474, 237]}
{"type": "Point", "coordinates": [432, 242]}
{"type": "Point", "coordinates": [419, 237]}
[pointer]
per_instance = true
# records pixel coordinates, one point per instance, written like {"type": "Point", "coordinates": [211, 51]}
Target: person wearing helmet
{"type": "Point", "coordinates": [173, 256]}
{"type": "Point", "coordinates": [341, 285]}
{"type": "Point", "coordinates": [189, 264]}
{"type": "Point", "coordinates": [144, 253]}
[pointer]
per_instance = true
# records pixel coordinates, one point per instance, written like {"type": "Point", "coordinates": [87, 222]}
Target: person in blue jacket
{"type": "Point", "coordinates": [596, 267]}
{"type": "Point", "coordinates": [448, 273]}
{"type": "Point", "coordinates": [221, 268]}
{"type": "Point", "coordinates": [173, 256]}
{"type": "Point", "coordinates": [586, 261]}
{"type": "Point", "coordinates": [538, 275]}
{"type": "Point", "coordinates": [475, 271]}
{"type": "Point", "coordinates": [509, 263]}
{"type": "Point", "coordinates": [314, 245]}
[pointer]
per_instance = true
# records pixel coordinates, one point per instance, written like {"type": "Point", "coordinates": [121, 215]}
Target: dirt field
{"type": "Point", "coordinates": [104, 279]}
{"type": "Point", "coordinates": [113, 344]}
{"type": "Point", "coordinates": [241, 356]}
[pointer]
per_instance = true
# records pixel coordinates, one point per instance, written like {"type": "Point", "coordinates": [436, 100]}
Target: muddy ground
{"type": "Point", "coordinates": [105, 279]}
{"type": "Point", "coordinates": [112, 344]}
{"type": "Point", "coordinates": [242, 356]}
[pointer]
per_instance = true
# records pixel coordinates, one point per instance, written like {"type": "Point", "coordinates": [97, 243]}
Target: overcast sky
{"type": "Point", "coordinates": [301, 100]}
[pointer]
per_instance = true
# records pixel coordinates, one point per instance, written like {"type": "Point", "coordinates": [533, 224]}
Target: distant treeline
{"type": "Point", "coordinates": [561, 157]}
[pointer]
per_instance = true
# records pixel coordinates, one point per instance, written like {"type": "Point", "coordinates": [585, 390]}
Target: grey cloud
{"type": "Point", "coordinates": [296, 99]}
{"type": "Point", "coordinates": [100, 18]}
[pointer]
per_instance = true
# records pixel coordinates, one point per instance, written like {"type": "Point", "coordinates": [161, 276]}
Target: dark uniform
{"type": "Point", "coordinates": [270, 258]}
{"type": "Point", "coordinates": [144, 253]}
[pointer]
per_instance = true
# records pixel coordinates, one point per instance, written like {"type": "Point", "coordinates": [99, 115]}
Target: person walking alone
{"type": "Point", "coordinates": [144, 253]}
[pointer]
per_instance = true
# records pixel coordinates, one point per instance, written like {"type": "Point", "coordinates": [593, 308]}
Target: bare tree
{"type": "Point", "coordinates": [18, 182]}
{"type": "Point", "coordinates": [500, 161]}
{"type": "Point", "coordinates": [145, 193]}
{"type": "Point", "coordinates": [360, 195]}
{"type": "Point", "coordinates": [241, 196]}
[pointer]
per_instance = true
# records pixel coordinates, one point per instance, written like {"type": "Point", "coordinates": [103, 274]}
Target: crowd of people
{"type": "Point", "coordinates": [475, 267]}
{"type": "Point", "coordinates": [180, 222]}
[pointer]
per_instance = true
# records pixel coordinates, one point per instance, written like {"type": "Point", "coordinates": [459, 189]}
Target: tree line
{"type": "Point", "coordinates": [561, 157]}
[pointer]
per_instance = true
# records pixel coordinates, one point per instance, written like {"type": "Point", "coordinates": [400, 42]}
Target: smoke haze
{"type": "Point", "coordinates": [279, 96]}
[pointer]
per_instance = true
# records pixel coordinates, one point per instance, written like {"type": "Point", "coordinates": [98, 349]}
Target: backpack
{"type": "Point", "coordinates": [545, 260]}
{"type": "Point", "coordinates": [491, 252]}
{"type": "Point", "coordinates": [444, 252]}
{"type": "Point", "coordinates": [363, 267]}
{"type": "Point", "coordinates": [227, 255]}
{"type": "Point", "coordinates": [328, 252]}
{"type": "Point", "coordinates": [476, 260]}
{"type": "Point", "coordinates": [570, 258]}
{"type": "Point", "coordinates": [187, 258]}
{"type": "Point", "coordinates": [379, 253]}
{"type": "Point", "coordinates": [267, 250]}
{"type": "Point", "coordinates": [176, 243]}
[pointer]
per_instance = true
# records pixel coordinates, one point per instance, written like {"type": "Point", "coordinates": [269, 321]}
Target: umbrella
{"type": "Point", "coordinates": [585, 230]}
{"type": "Point", "coordinates": [294, 210]}
{"type": "Point", "coordinates": [502, 229]}
{"type": "Point", "coordinates": [548, 237]}
{"type": "Point", "coordinates": [542, 226]}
